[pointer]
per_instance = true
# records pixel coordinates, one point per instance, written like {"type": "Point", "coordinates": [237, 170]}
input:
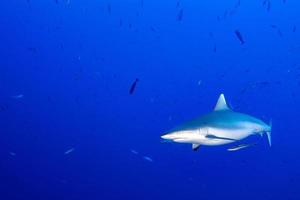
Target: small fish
{"type": "Point", "coordinates": [238, 4]}
{"type": "Point", "coordinates": [20, 96]}
{"type": "Point", "coordinates": [265, 2]}
{"type": "Point", "coordinates": [56, 1]}
{"type": "Point", "coordinates": [142, 3]}
{"type": "Point", "coordinates": [109, 8]}
{"type": "Point", "coordinates": [268, 6]}
{"type": "Point", "coordinates": [273, 26]}
{"type": "Point", "coordinates": [239, 36]}
{"type": "Point", "coordinates": [215, 48]}
{"type": "Point", "coordinates": [133, 86]}
{"type": "Point", "coordinates": [69, 151]}
{"type": "Point", "coordinates": [148, 159]}
{"type": "Point", "coordinates": [32, 49]}
{"type": "Point", "coordinates": [12, 154]}
{"type": "Point", "coordinates": [294, 29]}
{"type": "Point", "coordinates": [177, 4]}
{"type": "Point", "coordinates": [153, 29]}
{"type": "Point", "coordinates": [180, 15]}
{"type": "Point", "coordinates": [134, 151]}
{"type": "Point", "coordinates": [279, 33]}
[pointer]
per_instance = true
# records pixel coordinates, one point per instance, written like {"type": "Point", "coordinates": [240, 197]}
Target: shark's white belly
{"type": "Point", "coordinates": [221, 136]}
{"type": "Point", "coordinates": [233, 135]}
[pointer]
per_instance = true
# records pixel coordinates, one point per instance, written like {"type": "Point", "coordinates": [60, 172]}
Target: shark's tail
{"type": "Point", "coordinates": [269, 134]}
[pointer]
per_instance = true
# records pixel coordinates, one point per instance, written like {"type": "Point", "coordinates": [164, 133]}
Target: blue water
{"type": "Point", "coordinates": [69, 129]}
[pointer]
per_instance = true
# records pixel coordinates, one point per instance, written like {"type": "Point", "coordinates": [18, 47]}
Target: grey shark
{"type": "Point", "coordinates": [219, 127]}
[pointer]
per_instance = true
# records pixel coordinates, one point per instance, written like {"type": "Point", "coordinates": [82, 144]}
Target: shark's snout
{"type": "Point", "coordinates": [168, 136]}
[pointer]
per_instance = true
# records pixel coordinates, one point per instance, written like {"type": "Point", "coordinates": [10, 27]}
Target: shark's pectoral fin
{"type": "Point", "coordinates": [210, 136]}
{"type": "Point", "coordinates": [241, 146]}
{"type": "Point", "coordinates": [195, 146]}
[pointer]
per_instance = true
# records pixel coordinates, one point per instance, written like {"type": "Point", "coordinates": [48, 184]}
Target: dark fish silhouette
{"type": "Point", "coordinates": [142, 3]}
{"type": "Point", "coordinates": [133, 86]}
{"type": "Point", "coordinates": [215, 48]}
{"type": "Point", "coordinates": [273, 26]}
{"type": "Point", "coordinates": [294, 29]}
{"type": "Point", "coordinates": [109, 8]}
{"type": "Point", "coordinates": [239, 36]}
{"type": "Point", "coordinates": [268, 6]}
{"type": "Point", "coordinates": [153, 29]}
{"type": "Point", "coordinates": [180, 15]}
{"type": "Point", "coordinates": [238, 4]}
{"type": "Point", "coordinates": [279, 33]}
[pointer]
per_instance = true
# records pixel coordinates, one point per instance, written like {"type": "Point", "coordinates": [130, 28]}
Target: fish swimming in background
{"type": "Point", "coordinates": [134, 151]}
{"type": "Point", "coordinates": [19, 96]}
{"type": "Point", "coordinates": [133, 86]}
{"type": "Point", "coordinates": [267, 3]}
{"type": "Point", "coordinates": [12, 153]}
{"type": "Point", "coordinates": [239, 36]}
{"type": "Point", "coordinates": [219, 127]}
{"type": "Point", "coordinates": [142, 3]}
{"type": "Point", "coordinates": [147, 158]}
{"type": "Point", "coordinates": [109, 8]}
{"type": "Point", "coordinates": [180, 15]}
{"type": "Point", "coordinates": [69, 151]}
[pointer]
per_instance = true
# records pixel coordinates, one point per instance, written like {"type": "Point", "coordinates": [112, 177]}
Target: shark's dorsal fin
{"type": "Point", "coordinates": [221, 104]}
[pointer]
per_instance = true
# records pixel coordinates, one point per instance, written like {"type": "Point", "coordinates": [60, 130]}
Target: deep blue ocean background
{"type": "Point", "coordinates": [69, 129]}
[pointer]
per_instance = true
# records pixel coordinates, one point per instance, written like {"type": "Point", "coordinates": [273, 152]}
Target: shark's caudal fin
{"type": "Point", "coordinates": [269, 134]}
{"type": "Point", "coordinates": [221, 104]}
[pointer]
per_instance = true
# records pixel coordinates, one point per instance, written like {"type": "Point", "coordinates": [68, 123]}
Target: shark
{"type": "Point", "coordinates": [220, 127]}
